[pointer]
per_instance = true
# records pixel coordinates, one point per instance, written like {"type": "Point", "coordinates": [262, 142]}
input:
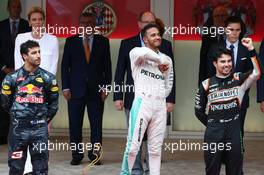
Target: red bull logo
{"type": "Point", "coordinates": [30, 99]}
{"type": "Point", "coordinates": [30, 89]}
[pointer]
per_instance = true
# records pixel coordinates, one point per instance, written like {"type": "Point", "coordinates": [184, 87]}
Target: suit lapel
{"type": "Point", "coordinates": [8, 29]}
{"type": "Point", "coordinates": [223, 44]}
{"type": "Point", "coordinates": [95, 45]}
{"type": "Point", "coordinates": [20, 26]}
{"type": "Point", "coordinates": [239, 55]}
{"type": "Point", "coordinates": [138, 41]}
{"type": "Point", "coordinates": [80, 43]}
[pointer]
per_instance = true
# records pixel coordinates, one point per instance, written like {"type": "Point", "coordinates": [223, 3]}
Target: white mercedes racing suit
{"type": "Point", "coordinates": [148, 112]}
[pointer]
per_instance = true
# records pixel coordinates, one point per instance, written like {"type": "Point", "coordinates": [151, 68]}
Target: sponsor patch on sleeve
{"type": "Point", "coordinates": [6, 87]}
{"type": "Point", "coordinates": [17, 155]}
{"type": "Point", "coordinates": [54, 82]}
{"type": "Point", "coordinates": [8, 92]}
{"type": "Point", "coordinates": [54, 89]}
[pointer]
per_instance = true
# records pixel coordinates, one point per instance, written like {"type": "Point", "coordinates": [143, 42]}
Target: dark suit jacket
{"type": "Point", "coordinates": [243, 64]}
{"type": "Point", "coordinates": [207, 42]}
{"type": "Point", "coordinates": [260, 83]}
{"type": "Point", "coordinates": [77, 75]}
{"type": "Point", "coordinates": [6, 44]}
{"type": "Point", "coordinates": [123, 66]}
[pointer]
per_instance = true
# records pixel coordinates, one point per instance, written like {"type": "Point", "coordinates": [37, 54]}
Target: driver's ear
{"type": "Point", "coordinates": [145, 39]}
{"type": "Point", "coordinates": [24, 56]}
{"type": "Point", "coordinates": [215, 63]}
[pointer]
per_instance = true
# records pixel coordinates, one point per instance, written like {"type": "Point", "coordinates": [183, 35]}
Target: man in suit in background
{"type": "Point", "coordinates": [240, 57]}
{"type": "Point", "coordinates": [220, 14]}
{"type": "Point", "coordinates": [9, 28]}
{"type": "Point", "coordinates": [85, 68]}
{"type": "Point", "coordinates": [260, 83]}
{"type": "Point", "coordinates": [123, 67]}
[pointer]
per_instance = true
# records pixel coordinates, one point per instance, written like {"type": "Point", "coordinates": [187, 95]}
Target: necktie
{"type": "Point", "coordinates": [233, 54]}
{"type": "Point", "coordinates": [14, 31]}
{"type": "Point", "coordinates": [86, 49]}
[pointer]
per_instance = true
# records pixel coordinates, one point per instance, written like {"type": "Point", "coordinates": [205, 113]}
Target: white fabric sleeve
{"type": "Point", "coordinates": [55, 57]}
{"type": "Point", "coordinates": [168, 78]}
{"type": "Point", "coordinates": [17, 56]}
{"type": "Point", "coordinates": [152, 56]}
{"type": "Point", "coordinates": [139, 55]}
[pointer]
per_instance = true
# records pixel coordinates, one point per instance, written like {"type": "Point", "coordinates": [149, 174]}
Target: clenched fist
{"type": "Point", "coordinates": [247, 42]}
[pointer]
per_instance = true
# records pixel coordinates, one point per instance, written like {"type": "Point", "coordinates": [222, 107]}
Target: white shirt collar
{"type": "Point", "coordinates": [90, 37]}
{"type": "Point", "coordinates": [234, 44]}
{"type": "Point", "coordinates": [141, 40]}
{"type": "Point", "coordinates": [12, 20]}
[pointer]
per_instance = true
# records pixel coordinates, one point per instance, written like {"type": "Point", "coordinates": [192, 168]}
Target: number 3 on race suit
{"type": "Point", "coordinates": [17, 155]}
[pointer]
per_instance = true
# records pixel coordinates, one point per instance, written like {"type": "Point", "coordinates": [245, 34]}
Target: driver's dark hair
{"type": "Point", "coordinates": [148, 26]}
{"type": "Point", "coordinates": [24, 47]}
{"type": "Point", "coordinates": [220, 51]}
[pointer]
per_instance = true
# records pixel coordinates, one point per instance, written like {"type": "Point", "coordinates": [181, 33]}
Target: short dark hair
{"type": "Point", "coordinates": [148, 26]}
{"type": "Point", "coordinates": [24, 47]}
{"type": "Point", "coordinates": [9, 2]}
{"type": "Point", "coordinates": [219, 51]}
{"type": "Point", "coordinates": [236, 19]}
{"type": "Point", "coordinates": [86, 14]}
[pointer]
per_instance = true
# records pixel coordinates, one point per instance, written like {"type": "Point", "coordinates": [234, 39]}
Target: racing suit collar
{"type": "Point", "coordinates": [224, 78]}
{"type": "Point", "coordinates": [30, 73]}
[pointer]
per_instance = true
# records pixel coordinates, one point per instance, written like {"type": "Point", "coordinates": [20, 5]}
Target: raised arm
{"type": "Point", "coordinates": [256, 73]}
{"type": "Point", "coordinates": [139, 55]}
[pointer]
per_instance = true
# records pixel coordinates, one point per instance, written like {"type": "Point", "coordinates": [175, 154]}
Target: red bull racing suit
{"type": "Point", "coordinates": [217, 106]}
{"type": "Point", "coordinates": [148, 112]}
{"type": "Point", "coordinates": [32, 100]}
